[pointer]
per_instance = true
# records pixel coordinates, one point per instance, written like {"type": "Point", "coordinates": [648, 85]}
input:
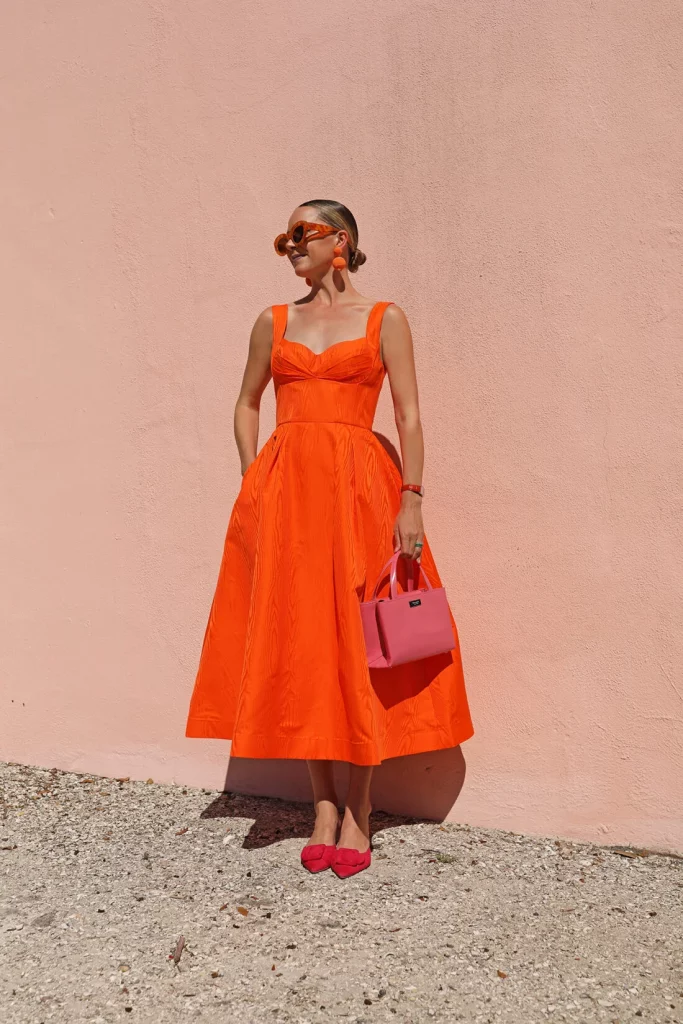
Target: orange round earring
{"type": "Point", "coordinates": [338, 262]}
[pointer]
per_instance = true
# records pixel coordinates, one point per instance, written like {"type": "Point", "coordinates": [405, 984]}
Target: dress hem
{"type": "Point", "coordinates": [319, 748]}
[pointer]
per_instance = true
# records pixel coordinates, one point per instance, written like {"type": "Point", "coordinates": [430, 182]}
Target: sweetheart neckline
{"type": "Point", "coordinates": [346, 341]}
{"type": "Point", "coordinates": [317, 355]}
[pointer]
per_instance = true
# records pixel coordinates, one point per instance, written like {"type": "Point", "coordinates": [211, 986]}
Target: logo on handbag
{"type": "Point", "coordinates": [413, 603]}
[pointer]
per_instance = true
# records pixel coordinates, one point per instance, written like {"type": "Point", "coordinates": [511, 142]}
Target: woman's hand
{"type": "Point", "coordinates": [408, 527]}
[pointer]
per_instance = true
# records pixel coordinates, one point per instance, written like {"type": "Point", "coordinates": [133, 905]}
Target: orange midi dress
{"type": "Point", "coordinates": [283, 670]}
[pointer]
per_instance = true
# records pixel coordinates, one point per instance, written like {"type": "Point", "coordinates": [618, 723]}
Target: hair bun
{"type": "Point", "coordinates": [357, 260]}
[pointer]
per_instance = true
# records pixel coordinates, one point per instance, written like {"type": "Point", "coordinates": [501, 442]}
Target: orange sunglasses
{"type": "Point", "coordinates": [301, 232]}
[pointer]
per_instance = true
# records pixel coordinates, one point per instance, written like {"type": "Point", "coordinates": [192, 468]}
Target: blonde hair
{"type": "Point", "coordinates": [339, 216]}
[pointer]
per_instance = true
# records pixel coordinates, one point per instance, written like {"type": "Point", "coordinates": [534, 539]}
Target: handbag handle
{"type": "Point", "coordinates": [393, 562]}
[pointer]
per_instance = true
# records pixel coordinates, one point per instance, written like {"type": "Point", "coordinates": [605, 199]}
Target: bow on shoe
{"type": "Point", "coordinates": [317, 857]}
{"type": "Point", "coordinates": [349, 862]}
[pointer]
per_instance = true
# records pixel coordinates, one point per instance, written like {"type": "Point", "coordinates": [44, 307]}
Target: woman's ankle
{"type": "Point", "coordinates": [355, 829]}
{"type": "Point", "coordinates": [359, 808]}
{"type": "Point", "coordinates": [357, 816]}
{"type": "Point", "coordinates": [326, 823]}
{"type": "Point", "coordinates": [327, 807]}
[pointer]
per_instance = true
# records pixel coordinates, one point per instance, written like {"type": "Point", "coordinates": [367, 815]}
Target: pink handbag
{"type": "Point", "coordinates": [407, 626]}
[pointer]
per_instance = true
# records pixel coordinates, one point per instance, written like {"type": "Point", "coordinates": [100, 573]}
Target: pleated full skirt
{"type": "Point", "coordinates": [283, 671]}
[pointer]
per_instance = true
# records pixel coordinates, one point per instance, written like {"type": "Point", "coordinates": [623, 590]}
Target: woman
{"type": "Point", "coordinates": [283, 671]}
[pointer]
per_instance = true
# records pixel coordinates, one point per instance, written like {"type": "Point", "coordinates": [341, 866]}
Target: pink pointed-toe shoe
{"type": "Point", "coordinates": [318, 857]}
{"type": "Point", "coordinates": [348, 862]}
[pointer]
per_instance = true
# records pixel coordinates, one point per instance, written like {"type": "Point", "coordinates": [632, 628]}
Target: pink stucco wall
{"type": "Point", "coordinates": [515, 170]}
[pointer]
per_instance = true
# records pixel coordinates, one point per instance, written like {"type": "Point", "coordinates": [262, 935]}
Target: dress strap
{"type": "Point", "coordinates": [375, 324]}
{"type": "Point", "coordinates": [279, 322]}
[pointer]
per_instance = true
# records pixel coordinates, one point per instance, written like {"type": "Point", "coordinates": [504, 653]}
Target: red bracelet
{"type": "Point", "coordinates": [416, 488]}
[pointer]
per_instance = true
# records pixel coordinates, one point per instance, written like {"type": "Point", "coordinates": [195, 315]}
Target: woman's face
{"type": "Point", "coordinates": [312, 258]}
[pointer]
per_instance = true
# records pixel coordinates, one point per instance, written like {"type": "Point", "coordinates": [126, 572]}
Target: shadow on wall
{"type": "Point", "coordinates": [422, 785]}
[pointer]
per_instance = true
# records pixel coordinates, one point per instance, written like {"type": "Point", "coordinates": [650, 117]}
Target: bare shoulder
{"type": "Point", "coordinates": [264, 320]}
{"type": "Point", "coordinates": [395, 317]}
{"type": "Point", "coordinates": [395, 340]}
{"type": "Point", "coordinates": [395, 326]}
{"type": "Point", "coordinates": [261, 337]}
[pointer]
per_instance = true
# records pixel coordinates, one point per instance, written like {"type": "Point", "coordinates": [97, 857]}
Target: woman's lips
{"type": "Point", "coordinates": [300, 256]}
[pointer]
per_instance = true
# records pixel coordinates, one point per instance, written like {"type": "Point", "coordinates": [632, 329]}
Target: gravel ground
{"type": "Point", "coordinates": [139, 901]}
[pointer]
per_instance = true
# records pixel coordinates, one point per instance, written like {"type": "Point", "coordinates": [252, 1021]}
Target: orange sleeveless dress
{"type": "Point", "coordinates": [283, 671]}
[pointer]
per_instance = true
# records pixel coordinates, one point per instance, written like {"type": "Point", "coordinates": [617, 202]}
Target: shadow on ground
{"type": "Point", "coordinates": [275, 819]}
{"type": "Point", "coordinates": [277, 794]}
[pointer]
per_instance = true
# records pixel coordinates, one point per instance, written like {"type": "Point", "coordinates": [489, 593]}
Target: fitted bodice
{"type": "Point", "coordinates": [340, 385]}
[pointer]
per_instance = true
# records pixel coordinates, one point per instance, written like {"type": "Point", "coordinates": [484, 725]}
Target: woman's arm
{"type": "Point", "coordinates": [254, 380]}
{"type": "Point", "coordinates": [396, 346]}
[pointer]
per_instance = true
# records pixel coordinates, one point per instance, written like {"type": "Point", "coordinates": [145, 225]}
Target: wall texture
{"type": "Point", "coordinates": [516, 173]}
